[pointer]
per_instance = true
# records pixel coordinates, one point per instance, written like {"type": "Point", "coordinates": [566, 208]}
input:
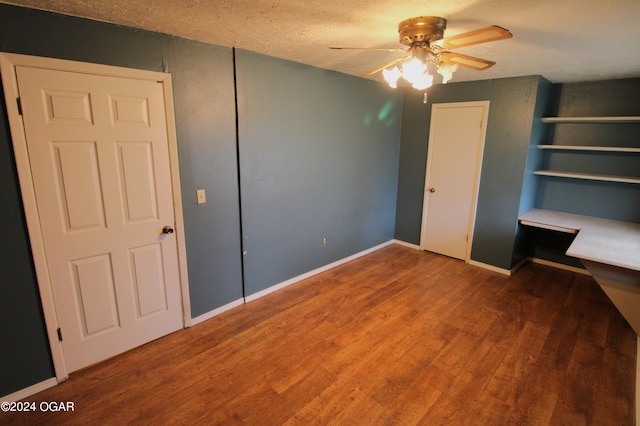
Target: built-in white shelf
{"type": "Point", "coordinates": [588, 176]}
{"type": "Point", "coordinates": [612, 119]}
{"type": "Point", "coordinates": [603, 149]}
{"type": "Point", "coordinates": [590, 148]}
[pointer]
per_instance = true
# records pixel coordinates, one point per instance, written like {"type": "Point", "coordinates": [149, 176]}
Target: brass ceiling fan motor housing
{"type": "Point", "coordinates": [421, 29]}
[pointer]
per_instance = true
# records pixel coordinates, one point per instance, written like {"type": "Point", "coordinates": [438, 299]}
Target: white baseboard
{"type": "Point", "coordinates": [502, 271]}
{"type": "Point", "coordinates": [511, 271]}
{"type": "Point", "coordinates": [31, 390]}
{"type": "Point", "coordinates": [559, 265]}
{"type": "Point", "coordinates": [406, 244]}
{"type": "Point", "coordinates": [216, 312]}
{"type": "Point", "coordinates": [317, 271]}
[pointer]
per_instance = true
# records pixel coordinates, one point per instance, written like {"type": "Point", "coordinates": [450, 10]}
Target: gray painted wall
{"type": "Point", "coordinates": [413, 159]}
{"type": "Point", "coordinates": [24, 353]}
{"type": "Point", "coordinates": [530, 186]}
{"type": "Point", "coordinates": [318, 158]}
{"type": "Point", "coordinates": [508, 187]}
{"type": "Point", "coordinates": [511, 111]}
{"type": "Point", "coordinates": [602, 199]}
{"type": "Point", "coordinates": [203, 86]}
{"type": "Point", "coordinates": [205, 119]}
{"type": "Point", "coordinates": [320, 153]}
{"type": "Point", "coordinates": [204, 96]}
{"type": "Point", "coordinates": [618, 201]}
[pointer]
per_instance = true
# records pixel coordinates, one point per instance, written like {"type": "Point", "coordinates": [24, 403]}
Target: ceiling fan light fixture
{"type": "Point", "coordinates": [414, 70]}
{"type": "Point", "coordinates": [424, 36]}
{"type": "Point", "coordinates": [423, 83]}
{"type": "Point", "coordinates": [391, 76]}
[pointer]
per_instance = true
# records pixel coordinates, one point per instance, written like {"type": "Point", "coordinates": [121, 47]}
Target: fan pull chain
{"type": "Point", "coordinates": [424, 99]}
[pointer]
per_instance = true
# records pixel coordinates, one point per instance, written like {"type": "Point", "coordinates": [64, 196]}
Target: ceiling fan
{"type": "Point", "coordinates": [424, 37]}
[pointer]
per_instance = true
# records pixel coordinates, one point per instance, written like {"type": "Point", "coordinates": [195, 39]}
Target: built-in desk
{"type": "Point", "coordinates": [610, 250]}
{"type": "Point", "coordinates": [599, 240]}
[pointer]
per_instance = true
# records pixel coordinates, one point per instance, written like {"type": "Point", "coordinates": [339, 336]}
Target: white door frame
{"type": "Point", "coordinates": [476, 183]}
{"type": "Point", "coordinates": [8, 64]}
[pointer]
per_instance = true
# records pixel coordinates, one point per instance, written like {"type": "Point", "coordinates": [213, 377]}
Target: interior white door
{"type": "Point", "coordinates": [456, 144]}
{"type": "Point", "coordinates": [98, 150]}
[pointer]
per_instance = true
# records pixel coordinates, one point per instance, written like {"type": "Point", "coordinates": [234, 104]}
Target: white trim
{"type": "Point", "coordinates": [172, 139]}
{"type": "Point", "coordinates": [406, 244]}
{"type": "Point", "coordinates": [486, 266]}
{"type": "Point", "coordinates": [478, 171]}
{"type": "Point", "coordinates": [8, 63]}
{"type": "Point", "coordinates": [512, 271]}
{"type": "Point", "coordinates": [317, 271]}
{"type": "Point", "coordinates": [10, 84]}
{"type": "Point", "coordinates": [217, 311]}
{"type": "Point", "coordinates": [82, 67]}
{"type": "Point", "coordinates": [613, 119]}
{"type": "Point", "coordinates": [559, 265]}
{"type": "Point", "coordinates": [548, 226]}
{"type": "Point", "coordinates": [31, 390]}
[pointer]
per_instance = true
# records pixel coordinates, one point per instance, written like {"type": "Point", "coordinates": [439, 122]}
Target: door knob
{"type": "Point", "coordinates": [432, 189]}
{"type": "Point", "coordinates": [167, 230]}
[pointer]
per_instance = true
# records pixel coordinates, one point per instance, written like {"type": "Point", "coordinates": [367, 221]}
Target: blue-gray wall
{"type": "Point", "coordinates": [530, 187]}
{"type": "Point", "coordinates": [320, 152]}
{"type": "Point", "coordinates": [508, 187]}
{"type": "Point", "coordinates": [619, 201]}
{"type": "Point", "coordinates": [320, 156]}
{"type": "Point", "coordinates": [24, 352]}
{"type": "Point", "coordinates": [204, 98]}
{"type": "Point", "coordinates": [511, 111]}
{"type": "Point", "coordinates": [205, 119]}
{"type": "Point", "coordinates": [203, 87]}
{"type": "Point", "coordinates": [318, 159]}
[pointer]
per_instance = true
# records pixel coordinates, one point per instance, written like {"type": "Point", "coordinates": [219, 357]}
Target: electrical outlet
{"type": "Point", "coordinates": [324, 241]}
{"type": "Point", "coordinates": [201, 196]}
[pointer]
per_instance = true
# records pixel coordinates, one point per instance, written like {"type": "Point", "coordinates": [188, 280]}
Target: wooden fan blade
{"type": "Point", "coordinates": [483, 35]}
{"type": "Point", "coordinates": [465, 61]}
{"type": "Point", "coordinates": [387, 49]}
{"type": "Point", "coordinates": [388, 64]}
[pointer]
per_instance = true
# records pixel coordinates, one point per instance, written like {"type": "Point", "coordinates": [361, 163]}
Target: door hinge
{"type": "Point", "coordinates": [19, 102]}
{"type": "Point", "coordinates": [59, 335]}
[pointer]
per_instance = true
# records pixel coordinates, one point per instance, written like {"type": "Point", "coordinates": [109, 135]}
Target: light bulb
{"type": "Point", "coordinates": [391, 76]}
{"type": "Point", "coordinates": [446, 71]}
{"type": "Point", "coordinates": [413, 70]}
{"type": "Point", "coordinates": [424, 82]}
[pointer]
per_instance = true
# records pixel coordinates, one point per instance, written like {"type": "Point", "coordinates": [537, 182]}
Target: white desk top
{"type": "Point", "coordinates": [601, 240]}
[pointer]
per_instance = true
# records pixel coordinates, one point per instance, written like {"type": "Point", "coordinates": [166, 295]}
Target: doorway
{"type": "Point", "coordinates": [454, 160]}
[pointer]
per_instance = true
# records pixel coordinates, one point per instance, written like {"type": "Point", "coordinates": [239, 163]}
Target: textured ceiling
{"type": "Point", "coordinates": [563, 40]}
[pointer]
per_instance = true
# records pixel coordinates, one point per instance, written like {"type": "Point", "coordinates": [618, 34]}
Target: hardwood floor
{"type": "Point", "coordinates": [398, 337]}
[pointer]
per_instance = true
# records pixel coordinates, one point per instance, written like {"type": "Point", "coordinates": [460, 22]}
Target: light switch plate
{"type": "Point", "coordinates": [201, 196]}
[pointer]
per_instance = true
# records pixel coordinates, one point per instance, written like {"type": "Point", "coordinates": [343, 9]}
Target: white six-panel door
{"type": "Point", "coordinates": [99, 159]}
{"type": "Point", "coordinates": [456, 143]}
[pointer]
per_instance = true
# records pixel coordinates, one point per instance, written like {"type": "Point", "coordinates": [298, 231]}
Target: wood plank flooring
{"type": "Point", "coordinates": [398, 337]}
